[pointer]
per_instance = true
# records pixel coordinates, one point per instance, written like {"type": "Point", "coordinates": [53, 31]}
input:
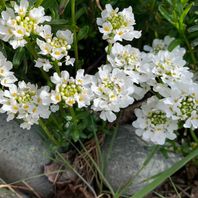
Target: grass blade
{"type": "Point", "coordinates": [166, 174]}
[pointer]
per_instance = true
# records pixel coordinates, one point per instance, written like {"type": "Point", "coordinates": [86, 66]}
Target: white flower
{"type": "Point", "coordinates": [55, 46]}
{"type": "Point", "coordinates": [18, 43]}
{"type": "Point", "coordinates": [168, 66]}
{"type": "Point", "coordinates": [20, 22]}
{"type": "Point", "coordinates": [25, 102]}
{"type": "Point", "coordinates": [21, 9]}
{"type": "Point", "coordinates": [162, 45]}
{"type": "Point", "coordinates": [181, 101]}
{"type": "Point", "coordinates": [128, 59]}
{"type": "Point", "coordinates": [152, 124]}
{"type": "Point", "coordinates": [38, 15]}
{"type": "Point", "coordinates": [117, 26]}
{"type": "Point", "coordinates": [7, 77]}
{"type": "Point", "coordinates": [70, 90]}
{"type": "Point", "coordinates": [43, 63]}
{"type": "Point", "coordinates": [113, 90]}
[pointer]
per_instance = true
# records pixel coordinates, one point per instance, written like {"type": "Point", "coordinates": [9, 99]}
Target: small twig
{"type": "Point", "coordinates": [11, 189]}
{"type": "Point", "coordinates": [184, 191]}
{"type": "Point", "coordinates": [98, 4]}
{"type": "Point", "coordinates": [32, 189]}
{"type": "Point", "coordinates": [101, 196]}
{"type": "Point", "coordinates": [57, 175]}
{"type": "Point", "coordinates": [95, 64]}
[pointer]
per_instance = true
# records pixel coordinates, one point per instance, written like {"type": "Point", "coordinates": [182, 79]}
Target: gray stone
{"type": "Point", "coordinates": [126, 158]}
{"type": "Point", "coordinates": [23, 155]}
{"type": "Point", "coordinates": [5, 193]}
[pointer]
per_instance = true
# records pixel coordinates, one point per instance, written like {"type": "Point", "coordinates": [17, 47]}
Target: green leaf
{"type": "Point", "coordinates": [50, 4]}
{"type": "Point", "coordinates": [169, 2]}
{"type": "Point", "coordinates": [83, 33]}
{"type": "Point", "coordinates": [184, 2]}
{"type": "Point", "coordinates": [62, 6]}
{"type": "Point", "coordinates": [174, 44]}
{"type": "Point", "coordinates": [185, 12]}
{"type": "Point", "coordinates": [75, 134]}
{"type": "Point", "coordinates": [166, 174]}
{"type": "Point", "coordinates": [193, 28]}
{"type": "Point", "coordinates": [166, 15]}
{"type": "Point", "coordinates": [59, 22]}
{"type": "Point", "coordinates": [38, 3]}
{"type": "Point", "coordinates": [18, 57]}
{"type": "Point", "coordinates": [195, 43]}
{"type": "Point", "coordinates": [80, 12]}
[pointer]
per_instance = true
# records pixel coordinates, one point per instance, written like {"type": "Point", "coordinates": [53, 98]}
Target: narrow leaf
{"type": "Point", "coordinates": [195, 43]}
{"type": "Point", "coordinates": [166, 174]}
{"type": "Point", "coordinates": [80, 12]}
{"type": "Point", "coordinates": [193, 28]}
{"type": "Point", "coordinates": [174, 44]}
{"type": "Point", "coordinates": [83, 33]}
{"type": "Point", "coordinates": [58, 22]}
{"type": "Point", "coordinates": [62, 6]}
{"type": "Point", "coordinates": [185, 12]}
{"type": "Point", "coordinates": [166, 15]}
{"type": "Point", "coordinates": [18, 57]}
{"type": "Point", "coordinates": [38, 3]}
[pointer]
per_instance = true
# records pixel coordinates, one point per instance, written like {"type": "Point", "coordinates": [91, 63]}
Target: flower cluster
{"type": "Point", "coordinates": [130, 60]}
{"type": "Point", "coordinates": [178, 101]}
{"type": "Point", "coordinates": [19, 22]}
{"type": "Point", "coordinates": [116, 26]}
{"type": "Point", "coordinates": [72, 90]}
{"type": "Point", "coordinates": [112, 90]}
{"type": "Point", "coordinates": [181, 101]}
{"type": "Point", "coordinates": [55, 46]}
{"type": "Point", "coordinates": [24, 101]}
{"type": "Point", "coordinates": [166, 66]}
{"type": "Point", "coordinates": [152, 122]}
{"type": "Point", "coordinates": [127, 76]}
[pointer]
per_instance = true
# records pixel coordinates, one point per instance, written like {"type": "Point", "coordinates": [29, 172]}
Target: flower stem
{"type": "Point", "coordinates": [73, 12]}
{"type": "Point", "coordinates": [57, 68]}
{"type": "Point", "coordinates": [195, 138]}
{"type": "Point", "coordinates": [47, 132]}
{"type": "Point", "coordinates": [109, 48]}
{"type": "Point", "coordinates": [73, 114]}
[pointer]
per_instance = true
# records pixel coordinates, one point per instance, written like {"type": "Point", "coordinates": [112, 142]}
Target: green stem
{"type": "Point", "coordinates": [108, 51]}
{"type": "Point", "coordinates": [195, 138]}
{"type": "Point", "coordinates": [73, 12]}
{"type": "Point", "coordinates": [109, 48]}
{"type": "Point", "coordinates": [47, 132]}
{"type": "Point", "coordinates": [73, 114]}
{"type": "Point", "coordinates": [57, 68]}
